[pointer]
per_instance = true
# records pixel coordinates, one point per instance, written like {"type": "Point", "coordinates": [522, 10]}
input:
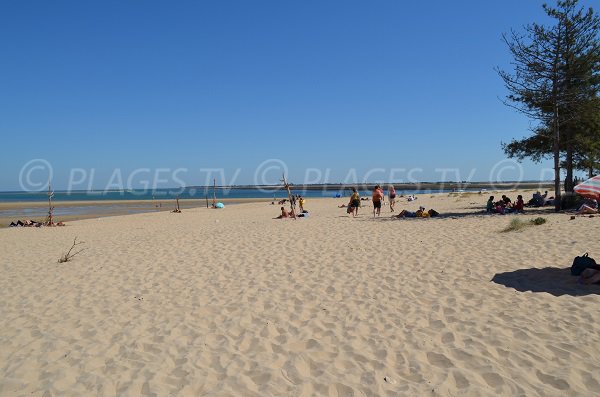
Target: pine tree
{"type": "Point", "coordinates": [556, 77]}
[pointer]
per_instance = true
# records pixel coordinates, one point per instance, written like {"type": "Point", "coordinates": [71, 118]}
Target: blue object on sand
{"type": "Point", "coordinates": [219, 205]}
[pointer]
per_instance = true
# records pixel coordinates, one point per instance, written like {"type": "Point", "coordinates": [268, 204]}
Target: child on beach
{"type": "Point", "coordinates": [489, 208]}
{"type": "Point", "coordinates": [301, 202]}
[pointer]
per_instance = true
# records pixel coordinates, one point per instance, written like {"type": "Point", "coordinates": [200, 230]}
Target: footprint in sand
{"type": "Point", "coordinates": [439, 360]}
{"type": "Point", "coordinates": [553, 381]}
{"type": "Point", "coordinates": [460, 380]}
{"type": "Point", "coordinates": [590, 382]}
{"type": "Point", "coordinates": [492, 379]}
{"type": "Point", "coordinates": [341, 390]}
{"type": "Point", "coordinates": [448, 338]}
{"type": "Point", "coordinates": [260, 378]}
{"type": "Point", "coordinates": [296, 370]}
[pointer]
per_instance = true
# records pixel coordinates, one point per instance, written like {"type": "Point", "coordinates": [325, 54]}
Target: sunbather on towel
{"type": "Point", "coordinates": [590, 276]}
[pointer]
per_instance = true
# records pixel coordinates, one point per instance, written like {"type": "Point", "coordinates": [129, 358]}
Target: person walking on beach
{"type": "Point", "coordinates": [392, 197]}
{"type": "Point", "coordinates": [377, 199]}
{"type": "Point", "coordinates": [354, 202]}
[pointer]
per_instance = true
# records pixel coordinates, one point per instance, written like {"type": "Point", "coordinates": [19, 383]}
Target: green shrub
{"type": "Point", "coordinates": [514, 225]}
{"type": "Point", "coordinates": [538, 221]}
{"type": "Point", "coordinates": [518, 224]}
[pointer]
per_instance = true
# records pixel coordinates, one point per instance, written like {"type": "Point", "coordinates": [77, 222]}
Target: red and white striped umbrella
{"type": "Point", "coordinates": [589, 188]}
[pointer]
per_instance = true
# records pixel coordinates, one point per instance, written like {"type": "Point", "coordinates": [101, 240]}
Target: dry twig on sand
{"type": "Point", "coordinates": [68, 255]}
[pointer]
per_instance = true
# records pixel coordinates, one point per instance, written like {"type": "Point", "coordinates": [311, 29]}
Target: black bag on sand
{"type": "Point", "coordinates": [580, 263]}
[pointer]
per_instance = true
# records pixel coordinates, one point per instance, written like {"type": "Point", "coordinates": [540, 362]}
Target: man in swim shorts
{"type": "Point", "coordinates": [377, 199]}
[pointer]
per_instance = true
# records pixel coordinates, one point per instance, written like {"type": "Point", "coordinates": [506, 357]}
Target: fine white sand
{"type": "Point", "coordinates": [234, 303]}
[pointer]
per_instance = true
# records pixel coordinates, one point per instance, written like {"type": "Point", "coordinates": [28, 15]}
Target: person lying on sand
{"type": "Point", "coordinates": [586, 209]}
{"type": "Point", "coordinates": [405, 214]}
{"type": "Point", "coordinates": [25, 223]}
{"type": "Point", "coordinates": [589, 276]}
{"type": "Point", "coordinates": [589, 207]}
{"type": "Point", "coordinates": [421, 213]}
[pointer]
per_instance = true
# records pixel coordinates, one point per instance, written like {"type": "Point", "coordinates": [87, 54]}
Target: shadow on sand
{"type": "Point", "coordinates": [553, 280]}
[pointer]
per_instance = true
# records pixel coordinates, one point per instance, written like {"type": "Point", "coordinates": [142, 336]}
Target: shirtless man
{"type": "Point", "coordinates": [284, 214]}
{"type": "Point", "coordinates": [377, 199]}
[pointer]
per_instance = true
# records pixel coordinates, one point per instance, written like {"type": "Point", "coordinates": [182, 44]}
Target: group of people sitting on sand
{"type": "Point", "coordinates": [30, 223]}
{"type": "Point", "coordinates": [505, 205]}
{"type": "Point", "coordinates": [285, 214]}
{"type": "Point", "coordinates": [297, 199]}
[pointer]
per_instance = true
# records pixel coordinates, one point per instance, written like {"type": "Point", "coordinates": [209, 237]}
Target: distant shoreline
{"type": "Point", "coordinates": [418, 186]}
{"type": "Point", "coordinates": [75, 210]}
{"type": "Point", "coordinates": [423, 186]}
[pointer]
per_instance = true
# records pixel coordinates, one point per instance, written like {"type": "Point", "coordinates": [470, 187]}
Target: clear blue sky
{"type": "Point", "coordinates": [228, 84]}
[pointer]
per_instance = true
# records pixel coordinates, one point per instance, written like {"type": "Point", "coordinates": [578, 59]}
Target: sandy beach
{"type": "Point", "coordinates": [234, 303]}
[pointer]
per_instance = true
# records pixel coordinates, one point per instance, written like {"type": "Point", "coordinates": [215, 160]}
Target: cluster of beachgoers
{"type": "Point", "coordinates": [377, 198]}
{"type": "Point", "coordinates": [503, 206]}
{"type": "Point", "coordinates": [506, 206]}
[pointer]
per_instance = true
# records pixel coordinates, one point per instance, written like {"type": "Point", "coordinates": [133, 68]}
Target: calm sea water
{"type": "Point", "coordinates": [163, 197]}
{"type": "Point", "coordinates": [187, 193]}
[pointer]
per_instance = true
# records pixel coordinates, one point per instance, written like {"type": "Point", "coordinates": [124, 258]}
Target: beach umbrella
{"type": "Point", "coordinates": [589, 188]}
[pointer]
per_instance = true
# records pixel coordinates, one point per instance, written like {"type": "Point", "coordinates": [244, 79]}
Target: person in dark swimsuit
{"type": "Point", "coordinates": [392, 197]}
